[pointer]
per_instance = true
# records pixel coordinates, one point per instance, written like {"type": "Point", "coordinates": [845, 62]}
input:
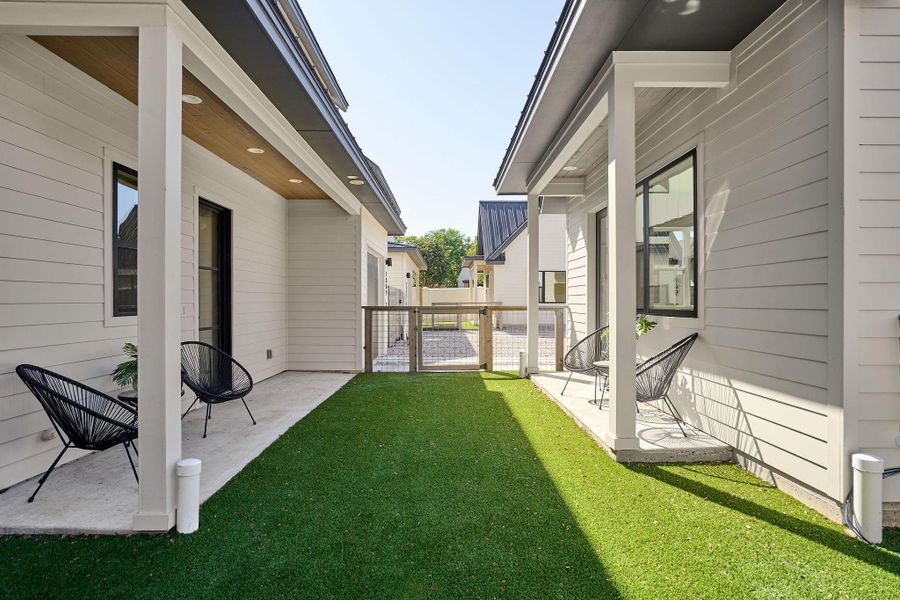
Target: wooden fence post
{"type": "Point", "coordinates": [368, 338]}
{"type": "Point", "coordinates": [420, 350]}
{"type": "Point", "coordinates": [560, 331]}
{"type": "Point", "coordinates": [413, 337]}
{"type": "Point", "coordinates": [487, 335]}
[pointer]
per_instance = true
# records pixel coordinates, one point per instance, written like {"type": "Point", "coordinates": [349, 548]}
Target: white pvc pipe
{"type": "Point", "coordinates": [187, 515]}
{"type": "Point", "coordinates": [867, 499]}
{"type": "Point", "coordinates": [523, 364]}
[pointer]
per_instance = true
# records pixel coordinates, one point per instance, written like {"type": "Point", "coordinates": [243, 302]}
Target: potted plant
{"type": "Point", "coordinates": [125, 374]}
{"type": "Point", "coordinates": [642, 325]}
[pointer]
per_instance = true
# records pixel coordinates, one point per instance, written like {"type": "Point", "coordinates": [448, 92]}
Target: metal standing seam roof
{"type": "Point", "coordinates": [498, 222]}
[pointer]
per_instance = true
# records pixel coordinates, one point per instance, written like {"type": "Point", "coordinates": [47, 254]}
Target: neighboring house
{"type": "Point", "coordinates": [731, 168]}
{"type": "Point", "coordinates": [462, 280]}
{"type": "Point", "coordinates": [260, 226]}
{"type": "Point", "coordinates": [501, 254]}
{"type": "Point", "coordinates": [405, 262]}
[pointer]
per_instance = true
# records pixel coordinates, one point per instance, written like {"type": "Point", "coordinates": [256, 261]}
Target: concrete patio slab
{"type": "Point", "coordinates": [658, 434]}
{"type": "Point", "coordinates": [97, 493]}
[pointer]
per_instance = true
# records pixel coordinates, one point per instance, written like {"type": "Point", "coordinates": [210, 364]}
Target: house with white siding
{"type": "Point", "coordinates": [731, 168]}
{"type": "Point", "coordinates": [404, 265]}
{"type": "Point", "coordinates": [500, 261]}
{"type": "Point", "coordinates": [174, 170]}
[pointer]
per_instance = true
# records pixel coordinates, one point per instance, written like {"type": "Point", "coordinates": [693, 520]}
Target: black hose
{"type": "Point", "coordinates": [850, 518]}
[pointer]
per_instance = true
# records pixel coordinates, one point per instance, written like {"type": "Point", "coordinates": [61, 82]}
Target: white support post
{"type": "Point", "coordinates": [622, 293]}
{"type": "Point", "coordinates": [159, 273]}
{"type": "Point", "coordinates": [533, 274]}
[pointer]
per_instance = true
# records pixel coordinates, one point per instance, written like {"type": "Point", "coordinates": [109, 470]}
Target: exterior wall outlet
{"type": "Point", "coordinates": [268, 353]}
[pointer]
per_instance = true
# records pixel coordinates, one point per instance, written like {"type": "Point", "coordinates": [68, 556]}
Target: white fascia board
{"type": "Point", "coordinates": [84, 18]}
{"type": "Point", "coordinates": [643, 69]}
{"type": "Point", "coordinates": [209, 62]}
{"type": "Point", "coordinates": [589, 114]}
{"type": "Point", "coordinates": [675, 69]}
{"type": "Point", "coordinates": [560, 51]}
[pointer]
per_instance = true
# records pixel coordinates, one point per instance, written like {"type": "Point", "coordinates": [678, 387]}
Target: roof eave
{"type": "Point", "coordinates": [566, 21]}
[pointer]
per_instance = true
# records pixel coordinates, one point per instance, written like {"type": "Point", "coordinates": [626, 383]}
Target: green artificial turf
{"type": "Point", "coordinates": [465, 485]}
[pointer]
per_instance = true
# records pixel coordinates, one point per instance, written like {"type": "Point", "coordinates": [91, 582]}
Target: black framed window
{"type": "Point", "coordinates": [666, 206]}
{"type": "Point", "coordinates": [552, 286]}
{"type": "Point", "coordinates": [214, 275]}
{"type": "Point", "coordinates": [124, 240]}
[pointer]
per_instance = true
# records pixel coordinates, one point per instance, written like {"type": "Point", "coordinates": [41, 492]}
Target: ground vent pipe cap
{"type": "Point", "coordinates": [187, 467]}
{"type": "Point", "coordinates": [868, 463]}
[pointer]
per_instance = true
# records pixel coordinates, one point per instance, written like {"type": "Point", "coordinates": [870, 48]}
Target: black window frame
{"type": "Point", "coordinates": [645, 184]}
{"type": "Point", "coordinates": [542, 286]}
{"type": "Point", "coordinates": [117, 243]}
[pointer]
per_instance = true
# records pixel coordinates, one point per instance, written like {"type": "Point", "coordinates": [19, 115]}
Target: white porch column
{"type": "Point", "coordinates": [159, 273]}
{"type": "Point", "coordinates": [622, 293]}
{"type": "Point", "coordinates": [532, 279]}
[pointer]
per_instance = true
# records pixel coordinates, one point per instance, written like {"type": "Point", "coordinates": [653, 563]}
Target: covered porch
{"type": "Point", "coordinates": [600, 135]}
{"type": "Point", "coordinates": [659, 439]}
{"type": "Point", "coordinates": [149, 88]}
{"type": "Point", "coordinates": [97, 493]}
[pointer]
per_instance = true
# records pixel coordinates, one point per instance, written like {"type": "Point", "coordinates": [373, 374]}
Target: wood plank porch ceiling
{"type": "Point", "coordinates": [113, 61]}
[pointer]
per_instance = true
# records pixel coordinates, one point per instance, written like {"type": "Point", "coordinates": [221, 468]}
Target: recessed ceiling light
{"type": "Point", "coordinates": [352, 177]}
{"type": "Point", "coordinates": [191, 99]}
{"type": "Point", "coordinates": [255, 150]}
{"type": "Point", "coordinates": [357, 182]}
{"type": "Point", "coordinates": [569, 168]}
{"type": "Point", "coordinates": [295, 180]}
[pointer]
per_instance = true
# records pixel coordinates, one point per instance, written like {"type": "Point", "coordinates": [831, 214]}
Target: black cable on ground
{"type": "Point", "coordinates": [849, 517]}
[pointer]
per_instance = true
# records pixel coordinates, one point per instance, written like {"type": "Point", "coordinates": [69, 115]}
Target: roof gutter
{"type": "Point", "coordinates": [304, 35]}
{"type": "Point", "coordinates": [567, 19]}
{"type": "Point", "coordinates": [274, 12]}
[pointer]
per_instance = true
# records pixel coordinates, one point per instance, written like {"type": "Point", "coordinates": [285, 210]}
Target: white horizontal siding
{"type": "Point", "coordinates": [54, 125]}
{"type": "Point", "coordinates": [757, 378]}
{"type": "Point", "coordinates": [873, 246]}
{"type": "Point", "coordinates": [324, 297]}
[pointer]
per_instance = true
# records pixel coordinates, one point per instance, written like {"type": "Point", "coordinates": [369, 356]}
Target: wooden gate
{"type": "Point", "coordinates": [458, 338]}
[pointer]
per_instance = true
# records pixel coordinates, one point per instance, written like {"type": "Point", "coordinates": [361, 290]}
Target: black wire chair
{"type": "Point", "coordinates": [214, 377]}
{"type": "Point", "coordinates": [583, 355]}
{"type": "Point", "coordinates": [83, 417]}
{"type": "Point", "coordinates": [655, 375]}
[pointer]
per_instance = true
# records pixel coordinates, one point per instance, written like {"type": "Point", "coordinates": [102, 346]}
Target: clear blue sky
{"type": "Point", "coordinates": [435, 88]}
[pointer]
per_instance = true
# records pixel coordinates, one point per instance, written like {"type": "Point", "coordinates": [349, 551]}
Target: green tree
{"type": "Point", "coordinates": [443, 250]}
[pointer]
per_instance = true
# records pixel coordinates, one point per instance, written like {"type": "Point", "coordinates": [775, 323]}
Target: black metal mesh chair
{"type": "Point", "coordinates": [583, 355]}
{"type": "Point", "coordinates": [214, 377]}
{"type": "Point", "coordinates": [83, 417]}
{"type": "Point", "coordinates": [655, 375]}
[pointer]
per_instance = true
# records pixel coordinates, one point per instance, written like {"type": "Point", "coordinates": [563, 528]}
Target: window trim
{"type": "Point", "coordinates": [645, 185]}
{"type": "Point", "coordinates": [542, 287]}
{"type": "Point", "coordinates": [111, 156]}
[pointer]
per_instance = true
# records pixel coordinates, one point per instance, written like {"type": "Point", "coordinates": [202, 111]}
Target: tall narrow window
{"type": "Point", "coordinates": [667, 221]}
{"type": "Point", "coordinates": [214, 275]}
{"type": "Point", "coordinates": [124, 242]}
